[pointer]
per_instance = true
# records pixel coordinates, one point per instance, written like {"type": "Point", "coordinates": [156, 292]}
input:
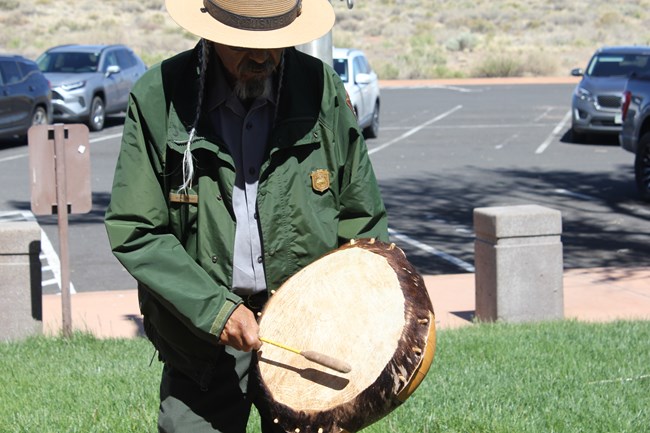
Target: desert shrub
{"type": "Point", "coordinates": [610, 18]}
{"type": "Point", "coordinates": [9, 5]}
{"type": "Point", "coordinates": [500, 65]}
{"type": "Point", "coordinates": [386, 70]}
{"type": "Point", "coordinates": [462, 42]}
{"type": "Point", "coordinates": [540, 63]}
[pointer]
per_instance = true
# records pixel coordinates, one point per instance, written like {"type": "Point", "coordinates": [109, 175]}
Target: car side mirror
{"type": "Point", "coordinates": [113, 69]}
{"type": "Point", "coordinates": [577, 72]}
{"type": "Point", "coordinates": [362, 78]}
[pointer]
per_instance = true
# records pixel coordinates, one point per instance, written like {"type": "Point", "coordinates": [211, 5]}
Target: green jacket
{"type": "Point", "coordinates": [180, 248]}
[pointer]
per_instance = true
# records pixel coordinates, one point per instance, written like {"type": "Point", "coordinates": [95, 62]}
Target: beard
{"type": "Point", "coordinates": [258, 85]}
{"type": "Point", "coordinates": [253, 88]}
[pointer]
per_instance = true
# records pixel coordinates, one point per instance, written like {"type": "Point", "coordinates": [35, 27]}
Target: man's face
{"type": "Point", "coordinates": [249, 68]}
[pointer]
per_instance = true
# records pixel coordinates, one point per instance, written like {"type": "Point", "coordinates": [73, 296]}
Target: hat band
{"type": "Point", "coordinates": [251, 23]}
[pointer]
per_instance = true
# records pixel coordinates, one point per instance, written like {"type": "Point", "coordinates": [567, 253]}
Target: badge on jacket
{"type": "Point", "coordinates": [320, 180]}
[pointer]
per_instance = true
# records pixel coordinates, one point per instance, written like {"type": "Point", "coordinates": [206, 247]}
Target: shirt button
{"type": "Point", "coordinates": [251, 171]}
{"type": "Point", "coordinates": [260, 259]}
{"type": "Point", "coordinates": [214, 259]}
{"type": "Point", "coordinates": [249, 126]}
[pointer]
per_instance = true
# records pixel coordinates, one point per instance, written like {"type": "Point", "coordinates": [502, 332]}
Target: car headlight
{"type": "Point", "coordinates": [73, 86]}
{"type": "Point", "coordinates": [584, 94]}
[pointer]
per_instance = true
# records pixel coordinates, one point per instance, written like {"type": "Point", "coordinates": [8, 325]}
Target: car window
{"type": "Point", "coordinates": [364, 66]}
{"type": "Point", "coordinates": [10, 72]}
{"type": "Point", "coordinates": [27, 68]}
{"type": "Point", "coordinates": [608, 65]}
{"type": "Point", "coordinates": [341, 68]}
{"type": "Point", "coordinates": [125, 59]}
{"type": "Point", "coordinates": [358, 66]}
{"type": "Point", "coordinates": [110, 60]}
{"type": "Point", "coordinates": [68, 62]}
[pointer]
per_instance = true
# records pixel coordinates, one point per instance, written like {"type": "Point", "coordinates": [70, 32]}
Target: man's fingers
{"type": "Point", "coordinates": [241, 330]}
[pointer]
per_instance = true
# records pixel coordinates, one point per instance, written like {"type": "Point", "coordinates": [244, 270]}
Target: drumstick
{"type": "Point", "coordinates": [317, 357]}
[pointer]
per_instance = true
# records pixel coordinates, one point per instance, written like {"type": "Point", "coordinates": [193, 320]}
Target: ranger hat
{"type": "Point", "coordinates": [254, 23]}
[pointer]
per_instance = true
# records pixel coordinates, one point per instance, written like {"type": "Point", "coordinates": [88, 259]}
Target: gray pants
{"type": "Point", "coordinates": [222, 407]}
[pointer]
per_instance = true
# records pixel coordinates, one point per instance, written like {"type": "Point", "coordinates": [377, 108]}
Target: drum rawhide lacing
{"type": "Point", "coordinates": [363, 304]}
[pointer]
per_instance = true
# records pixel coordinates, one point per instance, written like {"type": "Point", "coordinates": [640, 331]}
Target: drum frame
{"type": "Point", "coordinates": [398, 380]}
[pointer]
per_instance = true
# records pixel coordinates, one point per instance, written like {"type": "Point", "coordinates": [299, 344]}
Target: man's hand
{"type": "Point", "coordinates": [241, 330]}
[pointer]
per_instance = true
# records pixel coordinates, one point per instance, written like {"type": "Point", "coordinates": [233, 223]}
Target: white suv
{"type": "Point", "coordinates": [362, 86]}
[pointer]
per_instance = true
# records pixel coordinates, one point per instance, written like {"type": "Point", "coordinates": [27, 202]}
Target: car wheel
{"type": "Point", "coordinates": [642, 167]}
{"type": "Point", "coordinates": [39, 117]}
{"type": "Point", "coordinates": [97, 114]}
{"type": "Point", "coordinates": [372, 131]}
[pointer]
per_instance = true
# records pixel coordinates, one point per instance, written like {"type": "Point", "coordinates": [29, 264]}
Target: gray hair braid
{"type": "Point", "coordinates": [280, 79]}
{"type": "Point", "coordinates": [188, 160]}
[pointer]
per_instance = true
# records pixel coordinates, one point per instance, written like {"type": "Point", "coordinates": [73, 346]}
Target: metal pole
{"type": "Point", "coordinates": [322, 48]}
{"type": "Point", "coordinates": [62, 215]}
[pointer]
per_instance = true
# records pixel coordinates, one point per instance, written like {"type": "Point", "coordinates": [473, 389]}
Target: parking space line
{"type": "Point", "coordinates": [562, 191]}
{"type": "Point", "coordinates": [414, 130]}
{"type": "Point", "coordinates": [560, 126]}
{"type": "Point", "coordinates": [92, 140]}
{"type": "Point", "coordinates": [11, 158]}
{"type": "Point", "coordinates": [47, 250]}
{"type": "Point", "coordinates": [431, 250]}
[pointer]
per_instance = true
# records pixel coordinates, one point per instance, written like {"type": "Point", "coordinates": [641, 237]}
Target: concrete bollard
{"type": "Point", "coordinates": [519, 266]}
{"type": "Point", "coordinates": [21, 311]}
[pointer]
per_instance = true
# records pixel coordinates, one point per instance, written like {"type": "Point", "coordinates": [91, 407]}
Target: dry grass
{"type": "Point", "coordinates": [403, 38]}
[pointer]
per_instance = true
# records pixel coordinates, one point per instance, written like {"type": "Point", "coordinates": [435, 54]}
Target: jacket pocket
{"type": "Point", "coordinates": [175, 343]}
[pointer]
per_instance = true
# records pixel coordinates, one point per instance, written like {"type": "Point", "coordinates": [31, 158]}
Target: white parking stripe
{"type": "Point", "coordinates": [52, 257]}
{"type": "Point", "coordinates": [560, 126]}
{"type": "Point", "coordinates": [11, 158]}
{"type": "Point", "coordinates": [568, 193]}
{"type": "Point", "coordinates": [414, 130]}
{"type": "Point", "coordinates": [94, 140]}
{"type": "Point", "coordinates": [428, 249]}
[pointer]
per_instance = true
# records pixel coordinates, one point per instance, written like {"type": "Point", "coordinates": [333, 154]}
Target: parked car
{"type": "Point", "coordinates": [596, 104]}
{"type": "Point", "coordinates": [90, 82]}
{"type": "Point", "coordinates": [24, 96]}
{"type": "Point", "coordinates": [635, 133]}
{"type": "Point", "coordinates": [362, 86]}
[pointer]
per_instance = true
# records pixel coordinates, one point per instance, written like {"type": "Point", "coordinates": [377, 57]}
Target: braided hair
{"type": "Point", "coordinates": [188, 159]}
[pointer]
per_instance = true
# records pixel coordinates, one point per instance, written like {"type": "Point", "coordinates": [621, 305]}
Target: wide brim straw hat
{"type": "Point", "coordinates": [254, 23]}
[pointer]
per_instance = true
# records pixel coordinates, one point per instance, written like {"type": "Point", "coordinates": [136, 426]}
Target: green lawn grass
{"type": "Point", "coordinates": [552, 377]}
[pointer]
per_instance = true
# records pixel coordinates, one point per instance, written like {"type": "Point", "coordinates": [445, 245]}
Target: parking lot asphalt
{"type": "Point", "coordinates": [594, 295]}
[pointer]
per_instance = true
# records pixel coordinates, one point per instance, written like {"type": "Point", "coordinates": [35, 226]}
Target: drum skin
{"type": "Point", "coordinates": [364, 304]}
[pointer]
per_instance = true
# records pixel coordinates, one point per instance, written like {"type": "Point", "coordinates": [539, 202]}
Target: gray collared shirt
{"type": "Point", "coordinates": [246, 134]}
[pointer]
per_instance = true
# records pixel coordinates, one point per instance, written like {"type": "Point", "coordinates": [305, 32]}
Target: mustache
{"type": "Point", "coordinates": [257, 68]}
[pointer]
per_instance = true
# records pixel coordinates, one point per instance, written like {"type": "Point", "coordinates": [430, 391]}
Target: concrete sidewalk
{"type": "Point", "coordinates": [597, 295]}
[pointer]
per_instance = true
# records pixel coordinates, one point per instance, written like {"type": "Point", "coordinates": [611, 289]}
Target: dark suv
{"type": "Point", "coordinates": [24, 96]}
{"type": "Point", "coordinates": [90, 82]}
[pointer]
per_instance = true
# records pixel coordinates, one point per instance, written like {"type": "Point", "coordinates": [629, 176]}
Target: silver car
{"type": "Point", "coordinates": [596, 103]}
{"type": "Point", "coordinates": [90, 82]}
{"type": "Point", "coordinates": [361, 83]}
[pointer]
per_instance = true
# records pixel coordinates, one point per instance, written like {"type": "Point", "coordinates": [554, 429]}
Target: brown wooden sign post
{"type": "Point", "coordinates": [59, 172]}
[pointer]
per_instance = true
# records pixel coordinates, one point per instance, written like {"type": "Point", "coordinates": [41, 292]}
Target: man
{"type": "Point", "coordinates": [240, 164]}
